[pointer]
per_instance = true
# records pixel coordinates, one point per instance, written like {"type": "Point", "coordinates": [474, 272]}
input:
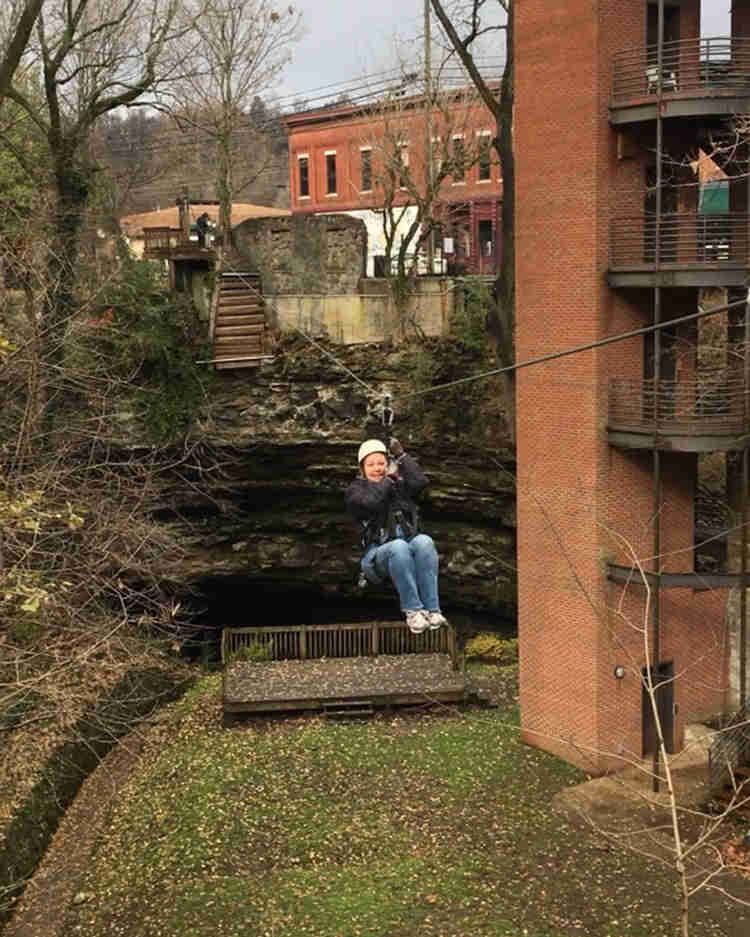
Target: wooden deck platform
{"type": "Point", "coordinates": [360, 684]}
{"type": "Point", "coordinates": [353, 639]}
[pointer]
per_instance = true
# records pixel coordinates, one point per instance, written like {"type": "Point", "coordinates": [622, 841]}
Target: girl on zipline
{"type": "Point", "coordinates": [382, 500]}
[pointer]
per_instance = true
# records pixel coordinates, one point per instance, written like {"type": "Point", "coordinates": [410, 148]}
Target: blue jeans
{"type": "Point", "coordinates": [411, 565]}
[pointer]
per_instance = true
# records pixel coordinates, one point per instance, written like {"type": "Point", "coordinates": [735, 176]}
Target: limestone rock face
{"type": "Point", "coordinates": [259, 508]}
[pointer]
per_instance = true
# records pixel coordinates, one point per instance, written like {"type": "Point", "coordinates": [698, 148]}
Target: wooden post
{"type": "Point", "coordinates": [183, 205]}
{"type": "Point", "coordinates": [375, 645]}
{"type": "Point", "coordinates": [744, 537]}
{"type": "Point", "coordinates": [303, 643]}
{"type": "Point", "coordinates": [428, 136]}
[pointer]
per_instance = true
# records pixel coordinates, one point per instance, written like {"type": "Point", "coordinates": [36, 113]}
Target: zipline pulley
{"type": "Point", "coordinates": [387, 420]}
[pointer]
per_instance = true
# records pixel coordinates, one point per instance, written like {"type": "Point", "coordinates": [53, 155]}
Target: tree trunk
{"type": "Point", "coordinates": [59, 305]}
{"type": "Point", "coordinates": [224, 186]}
{"type": "Point", "coordinates": [502, 319]}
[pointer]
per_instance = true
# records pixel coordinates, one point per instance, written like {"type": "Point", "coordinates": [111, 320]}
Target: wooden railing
{"type": "Point", "coordinates": [158, 242]}
{"type": "Point", "coordinates": [712, 406]}
{"type": "Point", "coordinates": [361, 639]}
{"type": "Point", "coordinates": [684, 239]}
{"type": "Point", "coordinates": [705, 67]}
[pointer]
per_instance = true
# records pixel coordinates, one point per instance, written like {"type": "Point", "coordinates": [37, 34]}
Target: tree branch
{"type": "Point", "coordinates": [17, 45]}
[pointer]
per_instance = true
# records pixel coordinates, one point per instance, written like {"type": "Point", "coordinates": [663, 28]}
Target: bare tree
{"type": "Point", "coordinates": [410, 179]}
{"type": "Point", "coordinates": [697, 859]}
{"type": "Point", "coordinates": [693, 842]}
{"type": "Point", "coordinates": [21, 18]}
{"type": "Point", "coordinates": [233, 51]}
{"type": "Point", "coordinates": [464, 22]}
{"type": "Point", "coordinates": [93, 56]}
{"type": "Point", "coordinates": [80, 606]}
{"type": "Point", "coordinates": [130, 149]}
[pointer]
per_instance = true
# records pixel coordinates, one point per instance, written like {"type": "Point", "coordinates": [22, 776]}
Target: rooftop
{"type": "Point", "coordinates": [133, 225]}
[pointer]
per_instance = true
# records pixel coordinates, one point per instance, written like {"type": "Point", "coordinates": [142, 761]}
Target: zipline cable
{"type": "Point", "coordinates": [552, 356]}
{"type": "Point", "coordinates": [541, 359]}
{"type": "Point", "coordinates": [245, 282]}
{"type": "Point", "coordinates": [336, 361]}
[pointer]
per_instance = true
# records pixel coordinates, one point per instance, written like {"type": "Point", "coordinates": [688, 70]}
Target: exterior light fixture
{"type": "Point", "coordinates": [619, 672]}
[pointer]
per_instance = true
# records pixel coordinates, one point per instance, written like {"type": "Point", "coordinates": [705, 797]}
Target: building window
{"type": "Point", "coordinates": [303, 168]}
{"type": "Point", "coordinates": [485, 163]}
{"type": "Point", "coordinates": [331, 173]}
{"type": "Point", "coordinates": [403, 165]}
{"type": "Point", "coordinates": [365, 156]}
{"type": "Point", "coordinates": [459, 159]}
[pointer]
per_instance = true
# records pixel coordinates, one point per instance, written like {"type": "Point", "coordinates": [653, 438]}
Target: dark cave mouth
{"type": "Point", "coordinates": [221, 602]}
{"type": "Point", "coordinates": [218, 602]}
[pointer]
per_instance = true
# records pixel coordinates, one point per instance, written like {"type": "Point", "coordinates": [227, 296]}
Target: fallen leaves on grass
{"type": "Point", "coordinates": [737, 856]}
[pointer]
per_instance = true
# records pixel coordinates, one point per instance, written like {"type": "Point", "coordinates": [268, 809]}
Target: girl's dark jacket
{"type": "Point", "coordinates": [381, 506]}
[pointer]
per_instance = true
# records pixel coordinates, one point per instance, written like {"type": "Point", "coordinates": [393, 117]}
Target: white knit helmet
{"type": "Point", "coordinates": [368, 447]}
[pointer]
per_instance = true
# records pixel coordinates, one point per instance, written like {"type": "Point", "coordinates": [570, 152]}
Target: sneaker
{"type": "Point", "coordinates": [417, 621]}
{"type": "Point", "coordinates": [436, 620]}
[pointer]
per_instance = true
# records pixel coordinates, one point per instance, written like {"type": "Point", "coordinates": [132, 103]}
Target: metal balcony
{"type": "Point", "coordinates": [703, 415]}
{"type": "Point", "coordinates": [699, 77]}
{"type": "Point", "coordinates": [693, 250]}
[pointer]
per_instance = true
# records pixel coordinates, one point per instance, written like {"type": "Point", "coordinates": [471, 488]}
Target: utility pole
{"type": "Point", "coordinates": [428, 133]}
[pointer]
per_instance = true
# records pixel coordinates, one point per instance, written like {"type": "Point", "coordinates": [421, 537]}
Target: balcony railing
{"type": "Point", "coordinates": [689, 67]}
{"type": "Point", "coordinates": [685, 239]}
{"type": "Point", "coordinates": [160, 243]}
{"type": "Point", "coordinates": [708, 406]}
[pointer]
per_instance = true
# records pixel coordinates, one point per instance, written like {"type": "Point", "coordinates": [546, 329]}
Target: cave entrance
{"type": "Point", "coordinates": [221, 602]}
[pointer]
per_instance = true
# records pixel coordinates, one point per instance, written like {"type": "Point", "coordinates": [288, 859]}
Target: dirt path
{"type": "Point", "coordinates": [42, 908]}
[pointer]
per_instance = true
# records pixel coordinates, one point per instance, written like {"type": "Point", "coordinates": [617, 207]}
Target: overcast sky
{"type": "Point", "coordinates": [345, 39]}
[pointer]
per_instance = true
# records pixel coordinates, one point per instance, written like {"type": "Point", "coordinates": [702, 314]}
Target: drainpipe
{"type": "Point", "coordinates": [428, 136]}
{"type": "Point", "coordinates": [656, 619]}
{"type": "Point", "coordinates": [745, 472]}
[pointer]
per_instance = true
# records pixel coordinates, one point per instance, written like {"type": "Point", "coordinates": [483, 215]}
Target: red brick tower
{"type": "Point", "coordinates": [611, 238]}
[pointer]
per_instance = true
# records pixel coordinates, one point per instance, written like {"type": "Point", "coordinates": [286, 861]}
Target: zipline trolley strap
{"type": "Point", "coordinates": [387, 420]}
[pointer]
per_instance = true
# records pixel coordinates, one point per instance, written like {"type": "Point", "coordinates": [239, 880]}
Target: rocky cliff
{"type": "Point", "coordinates": [258, 512]}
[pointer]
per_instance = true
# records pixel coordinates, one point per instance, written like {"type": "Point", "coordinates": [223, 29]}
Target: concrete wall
{"type": "Point", "coordinates": [368, 316]}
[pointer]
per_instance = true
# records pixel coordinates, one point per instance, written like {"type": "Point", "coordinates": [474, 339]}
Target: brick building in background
{"type": "Point", "coordinates": [612, 236]}
{"type": "Point", "coordinates": [338, 157]}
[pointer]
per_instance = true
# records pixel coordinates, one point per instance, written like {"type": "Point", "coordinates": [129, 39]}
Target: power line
{"type": "Point", "coordinates": [358, 92]}
{"type": "Point", "coordinates": [485, 61]}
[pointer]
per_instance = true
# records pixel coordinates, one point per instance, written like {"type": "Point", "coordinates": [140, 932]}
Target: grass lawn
{"type": "Point", "coordinates": [437, 823]}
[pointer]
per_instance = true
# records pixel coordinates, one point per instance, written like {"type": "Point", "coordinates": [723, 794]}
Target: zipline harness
{"type": "Point", "coordinates": [402, 519]}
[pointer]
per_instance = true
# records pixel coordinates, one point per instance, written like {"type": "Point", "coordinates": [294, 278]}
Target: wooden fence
{"type": "Point", "coordinates": [304, 642]}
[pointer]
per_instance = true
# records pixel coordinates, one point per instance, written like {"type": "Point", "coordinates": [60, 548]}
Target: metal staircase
{"type": "Point", "coordinates": [240, 325]}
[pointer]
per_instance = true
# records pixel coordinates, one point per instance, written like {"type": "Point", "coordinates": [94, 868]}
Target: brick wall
{"type": "Point", "coordinates": [741, 18]}
{"type": "Point", "coordinates": [581, 502]}
{"type": "Point", "coordinates": [345, 132]}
